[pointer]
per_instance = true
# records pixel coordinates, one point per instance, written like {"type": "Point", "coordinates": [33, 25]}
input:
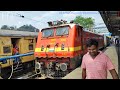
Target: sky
{"type": "Point", "coordinates": [39, 19]}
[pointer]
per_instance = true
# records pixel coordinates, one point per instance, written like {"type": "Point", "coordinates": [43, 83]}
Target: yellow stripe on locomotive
{"type": "Point", "coordinates": [58, 49]}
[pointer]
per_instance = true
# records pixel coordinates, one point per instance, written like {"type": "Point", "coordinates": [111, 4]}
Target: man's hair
{"type": "Point", "coordinates": [91, 42]}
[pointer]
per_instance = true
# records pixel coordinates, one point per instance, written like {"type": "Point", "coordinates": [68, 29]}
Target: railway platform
{"type": "Point", "coordinates": [113, 53]}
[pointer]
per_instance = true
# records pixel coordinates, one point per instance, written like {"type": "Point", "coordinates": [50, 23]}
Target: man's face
{"type": "Point", "coordinates": [93, 50]}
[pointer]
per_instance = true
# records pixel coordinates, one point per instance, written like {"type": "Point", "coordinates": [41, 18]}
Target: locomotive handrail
{"type": "Point", "coordinates": [16, 56]}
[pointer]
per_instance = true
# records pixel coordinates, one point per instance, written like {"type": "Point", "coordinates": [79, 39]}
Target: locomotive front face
{"type": "Point", "coordinates": [54, 48]}
{"type": "Point", "coordinates": [53, 42]}
{"type": "Point", "coordinates": [59, 48]}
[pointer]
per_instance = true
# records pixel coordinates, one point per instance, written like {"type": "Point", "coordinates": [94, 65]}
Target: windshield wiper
{"type": "Point", "coordinates": [63, 33]}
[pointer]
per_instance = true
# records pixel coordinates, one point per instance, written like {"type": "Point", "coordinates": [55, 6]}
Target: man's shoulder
{"type": "Point", "coordinates": [86, 55]}
{"type": "Point", "coordinates": [102, 54]}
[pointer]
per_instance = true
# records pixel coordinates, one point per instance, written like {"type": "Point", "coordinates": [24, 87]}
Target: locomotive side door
{"type": "Point", "coordinates": [81, 37]}
{"type": "Point", "coordinates": [16, 43]}
{"type": "Point", "coordinates": [79, 44]}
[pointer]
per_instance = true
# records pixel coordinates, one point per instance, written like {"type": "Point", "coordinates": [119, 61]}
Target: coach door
{"type": "Point", "coordinates": [16, 43]}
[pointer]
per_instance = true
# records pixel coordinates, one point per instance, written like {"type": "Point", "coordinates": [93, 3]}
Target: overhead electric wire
{"type": "Point", "coordinates": [22, 16]}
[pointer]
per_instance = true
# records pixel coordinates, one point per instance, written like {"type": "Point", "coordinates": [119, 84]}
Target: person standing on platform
{"type": "Point", "coordinates": [117, 42]}
{"type": "Point", "coordinates": [95, 63]}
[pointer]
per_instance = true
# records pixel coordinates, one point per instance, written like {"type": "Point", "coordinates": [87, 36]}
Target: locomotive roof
{"type": "Point", "coordinates": [70, 24]}
{"type": "Point", "coordinates": [17, 33]}
{"type": "Point", "coordinates": [93, 32]}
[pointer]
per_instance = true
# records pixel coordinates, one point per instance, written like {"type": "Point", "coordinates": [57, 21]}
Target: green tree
{"type": "Point", "coordinates": [29, 28]}
{"type": "Point", "coordinates": [85, 22]}
{"type": "Point", "coordinates": [12, 28]}
{"type": "Point", "coordinates": [6, 27]}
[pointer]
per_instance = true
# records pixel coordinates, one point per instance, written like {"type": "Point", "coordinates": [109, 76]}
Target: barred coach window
{"type": "Point", "coordinates": [6, 49]}
{"type": "Point", "coordinates": [31, 47]}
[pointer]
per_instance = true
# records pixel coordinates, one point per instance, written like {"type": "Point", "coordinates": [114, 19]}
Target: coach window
{"type": "Point", "coordinates": [31, 47]}
{"type": "Point", "coordinates": [6, 49]}
{"type": "Point", "coordinates": [47, 33]}
{"type": "Point", "coordinates": [62, 31]}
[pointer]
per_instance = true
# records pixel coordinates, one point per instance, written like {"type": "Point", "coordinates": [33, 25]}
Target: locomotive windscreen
{"type": "Point", "coordinates": [62, 31]}
{"type": "Point", "coordinates": [47, 33]}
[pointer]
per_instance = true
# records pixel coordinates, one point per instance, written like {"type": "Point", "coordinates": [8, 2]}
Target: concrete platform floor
{"type": "Point", "coordinates": [111, 51]}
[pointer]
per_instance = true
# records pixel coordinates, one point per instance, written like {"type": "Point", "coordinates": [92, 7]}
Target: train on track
{"type": "Point", "coordinates": [60, 47]}
{"type": "Point", "coordinates": [26, 42]}
{"type": "Point", "coordinates": [57, 49]}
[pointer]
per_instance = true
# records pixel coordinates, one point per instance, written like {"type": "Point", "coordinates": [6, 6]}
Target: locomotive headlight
{"type": "Point", "coordinates": [63, 66]}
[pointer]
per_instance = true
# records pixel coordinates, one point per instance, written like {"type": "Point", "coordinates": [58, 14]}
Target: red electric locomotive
{"type": "Point", "coordinates": [59, 48]}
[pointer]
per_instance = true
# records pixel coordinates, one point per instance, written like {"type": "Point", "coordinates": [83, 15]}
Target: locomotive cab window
{"type": "Point", "coordinates": [47, 33]}
{"type": "Point", "coordinates": [62, 31]}
{"type": "Point", "coordinates": [6, 49]}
